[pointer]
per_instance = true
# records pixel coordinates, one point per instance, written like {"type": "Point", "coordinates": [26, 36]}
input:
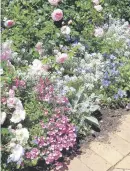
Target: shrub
{"type": "Point", "coordinates": [33, 23]}
{"type": "Point", "coordinates": [119, 9]}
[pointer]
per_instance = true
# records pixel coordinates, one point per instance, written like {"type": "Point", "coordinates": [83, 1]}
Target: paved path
{"type": "Point", "coordinates": [113, 155]}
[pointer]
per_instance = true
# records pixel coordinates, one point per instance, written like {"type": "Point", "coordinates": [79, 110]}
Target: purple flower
{"type": "Point", "coordinates": [121, 93]}
{"type": "Point", "coordinates": [35, 141]}
{"type": "Point", "coordinates": [106, 83]}
{"type": "Point", "coordinates": [112, 57]}
{"type": "Point", "coordinates": [116, 96]}
{"type": "Point", "coordinates": [106, 76]}
{"type": "Point", "coordinates": [114, 72]}
{"type": "Point", "coordinates": [105, 55]}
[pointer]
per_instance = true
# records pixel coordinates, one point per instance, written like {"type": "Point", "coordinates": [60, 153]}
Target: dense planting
{"type": "Point", "coordinates": [61, 62]}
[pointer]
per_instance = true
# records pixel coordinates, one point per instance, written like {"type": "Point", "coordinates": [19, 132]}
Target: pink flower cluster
{"type": "Point", "coordinates": [44, 90]}
{"type": "Point", "coordinates": [33, 154]}
{"type": "Point", "coordinates": [19, 83]}
{"type": "Point", "coordinates": [60, 134]}
{"type": "Point", "coordinates": [61, 100]}
{"type": "Point", "coordinates": [61, 58]}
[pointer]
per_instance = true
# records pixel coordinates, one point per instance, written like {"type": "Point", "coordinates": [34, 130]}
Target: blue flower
{"type": "Point", "coordinates": [35, 141]}
{"type": "Point", "coordinates": [112, 57]}
{"type": "Point", "coordinates": [106, 75]}
{"type": "Point", "coordinates": [116, 96]}
{"type": "Point", "coordinates": [121, 93]}
{"type": "Point", "coordinates": [106, 83]}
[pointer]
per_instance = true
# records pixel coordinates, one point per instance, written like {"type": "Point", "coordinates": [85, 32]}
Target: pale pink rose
{"type": "Point", "coordinates": [11, 93]}
{"type": "Point", "coordinates": [3, 100]}
{"type": "Point", "coordinates": [39, 48]}
{"type": "Point", "coordinates": [11, 102]}
{"type": "Point", "coordinates": [96, 2]}
{"type": "Point", "coordinates": [98, 8]}
{"type": "Point", "coordinates": [22, 83]}
{"type": "Point", "coordinates": [54, 2]}
{"type": "Point", "coordinates": [6, 50]}
{"type": "Point", "coordinates": [45, 67]}
{"type": "Point", "coordinates": [14, 102]}
{"type": "Point", "coordinates": [57, 15]}
{"type": "Point", "coordinates": [9, 23]}
{"type": "Point", "coordinates": [99, 32]}
{"type": "Point", "coordinates": [62, 58]}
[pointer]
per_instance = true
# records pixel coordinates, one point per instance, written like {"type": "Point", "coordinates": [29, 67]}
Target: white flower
{"type": "Point", "coordinates": [1, 71]}
{"type": "Point", "coordinates": [65, 30]}
{"type": "Point", "coordinates": [99, 8]}
{"type": "Point", "coordinates": [3, 117]}
{"type": "Point", "coordinates": [18, 116]}
{"type": "Point", "coordinates": [37, 68]}
{"type": "Point", "coordinates": [19, 105]}
{"type": "Point", "coordinates": [55, 51]}
{"type": "Point", "coordinates": [11, 145]}
{"type": "Point", "coordinates": [19, 126]}
{"type": "Point", "coordinates": [96, 2]}
{"type": "Point", "coordinates": [99, 32]}
{"type": "Point", "coordinates": [22, 135]}
{"type": "Point", "coordinates": [14, 102]}
{"type": "Point", "coordinates": [17, 153]}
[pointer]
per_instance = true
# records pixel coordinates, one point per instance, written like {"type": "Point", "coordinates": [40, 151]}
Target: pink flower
{"type": "Point", "coordinates": [45, 112]}
{"type": "Point", "coordinates": [59, 165]}
{"type": "Point", "coordinates": [32, 154]}
{"type": "Point", "coordinates": [62, 58]}
{"type": "Point", "coordinates": [6, 50]}
{"type": "Point", "coordinates": [39, 48]}
{"type": "Point", "coordinates": [9, 23]}
{"type": "Point", "coordinates": [57, 15]}
{"type": "Point", "coordinates": [22, 83]}
{"type": "Point", "coordinates": [45, 67]}
{"type": "Point", "coordinates": [54, 2]}
{"type": "Point", "coordinates": [96, 2]}
{"type": "Point", "coordinates": [3, 100]}
{"type": "Point", "coordinates": [11, 93]}
{"type": "Point", "coordinates": [11, 102]}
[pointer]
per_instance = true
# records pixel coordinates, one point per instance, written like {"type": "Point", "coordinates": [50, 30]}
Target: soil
{"type": "Point", "coordinates": [109, 121]}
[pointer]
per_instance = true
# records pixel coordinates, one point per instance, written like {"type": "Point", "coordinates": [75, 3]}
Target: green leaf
{"type": "Point", "coordinates": [34, 162]}
{"type": "Point", "coordinates": [92, 120]}
{"type": "Point", "coordinates": [4, 131]}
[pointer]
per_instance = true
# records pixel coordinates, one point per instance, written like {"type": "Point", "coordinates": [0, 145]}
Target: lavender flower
{"type": "Point", "coordinates": [121, 93]}
{"type": "Point", "coordinates": [106, 83]}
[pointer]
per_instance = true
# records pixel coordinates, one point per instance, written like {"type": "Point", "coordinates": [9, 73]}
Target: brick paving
{"type": "Point", "coordinates": [113, 155]}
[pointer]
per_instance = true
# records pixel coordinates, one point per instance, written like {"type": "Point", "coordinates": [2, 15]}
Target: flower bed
{"type": "Point", "coordinates": [61, 62]}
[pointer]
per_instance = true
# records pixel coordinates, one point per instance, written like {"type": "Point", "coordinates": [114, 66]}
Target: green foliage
{"type": "Point", "coordinates": [34, 23]}
{"type": "Point", "coordinates": [119, 9]}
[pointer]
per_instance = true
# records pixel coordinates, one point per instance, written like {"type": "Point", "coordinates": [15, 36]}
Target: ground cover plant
{"type": "Point", "coordinates": [61, 61]}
